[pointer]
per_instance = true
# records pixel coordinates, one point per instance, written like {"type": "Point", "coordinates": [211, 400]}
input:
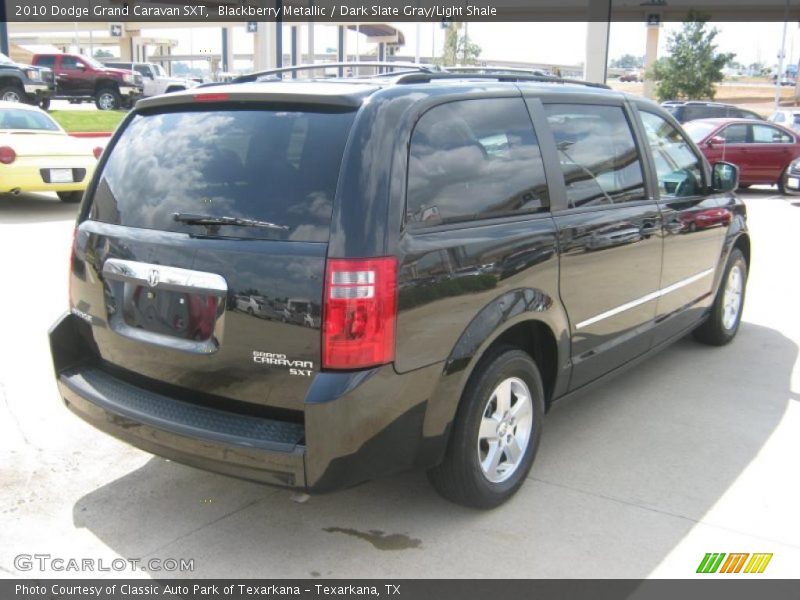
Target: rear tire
{"type": "Point", "coordinates": [70, 197]}
{"type": "Point", "coordinates": [496, 432]}
{"type": "Point", "coordinates": [726, 312]}
{"type": "Point", "coordinates": [107, 99]}
{"type": "Point", "coordinates": [12, 93]}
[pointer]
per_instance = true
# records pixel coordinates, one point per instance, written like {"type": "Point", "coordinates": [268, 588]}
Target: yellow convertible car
{"type": "Point", "coordinates": [36, 155]}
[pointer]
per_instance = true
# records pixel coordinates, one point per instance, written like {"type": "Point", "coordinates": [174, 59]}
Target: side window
{"type": "Point", "coordinates": [701, 112]}
{"type": "Point", "coordinates": [143, 70]}
{"type": "Point", "coordinates": [69, 63]}
{"type": "Point", "coordinates": [46, 61]}
{"type": "Point", "coordinates": [764, 134]}
{"type": "Point", "coordinates": [778, 117]}
{"type": "Point", "coordinates": [474, 159]}
{"type": "Point", "coordinates": [678, 168]}
{"type": "Point", "coordinates": [597, 152]}
{"type": "Point", "coordinates": [735, 134]}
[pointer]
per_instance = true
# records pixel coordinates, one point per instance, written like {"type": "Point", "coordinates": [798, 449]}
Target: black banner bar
{"type": "Point", "coordinates": [365, 11]}
{"type": "Point", "coordinates": [739, 588]}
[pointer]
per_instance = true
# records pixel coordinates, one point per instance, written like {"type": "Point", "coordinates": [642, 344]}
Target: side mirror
{"type": "Point", "coordinates": [80, 66]}
{"type": "Point", "coordinates": [717, 139]}
{"type": "Point", "coordinates": [150, 75]}
{"type": "Point", "coordinates": [724, 177]}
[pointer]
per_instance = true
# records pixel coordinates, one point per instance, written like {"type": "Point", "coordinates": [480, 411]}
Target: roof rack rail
{"type": "Point", "coordinates": [490, 69]}
{"type": "Point", "coordinates": [335, 65]}
{"type": "Point", "coordinates": [425, 77]}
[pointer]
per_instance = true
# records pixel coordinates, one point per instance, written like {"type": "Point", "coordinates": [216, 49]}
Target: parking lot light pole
{"type": "Point", "coordinates": [781, 56]}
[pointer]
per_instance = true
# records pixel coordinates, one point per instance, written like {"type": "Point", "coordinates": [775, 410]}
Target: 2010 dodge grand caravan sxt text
{"type": "Point", "coordinates": [316, 283]}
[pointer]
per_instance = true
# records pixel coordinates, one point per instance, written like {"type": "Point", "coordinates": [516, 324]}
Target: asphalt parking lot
{"type": "Point", "coordinates": [694, 451]}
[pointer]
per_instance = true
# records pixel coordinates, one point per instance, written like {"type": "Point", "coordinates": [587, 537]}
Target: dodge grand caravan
{"type": "Point", "coordinates": [468, 249]}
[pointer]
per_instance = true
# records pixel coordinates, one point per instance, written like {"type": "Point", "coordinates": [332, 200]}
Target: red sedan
{"type": "Point", "coordinates": [762, 151]}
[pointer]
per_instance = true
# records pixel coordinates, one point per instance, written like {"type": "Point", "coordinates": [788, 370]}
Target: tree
{"type": "Point", "coordinates": [100, 53]}
{"type": "Point", "coordinates": [458, 49]}
{"type": "Point", "coordinates": [627, 61]}
{"type": "Point", "coordinates": [693, 65]}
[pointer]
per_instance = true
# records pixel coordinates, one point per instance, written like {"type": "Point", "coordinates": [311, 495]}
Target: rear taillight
{"type": "Point", "coordinates": [359, 312]}
{"type": "Point", "coordinates": [7, 155]}
{"type": "Point", "coordinates": [98, 151]}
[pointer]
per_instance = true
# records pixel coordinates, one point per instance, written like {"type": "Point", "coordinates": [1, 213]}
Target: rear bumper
{"type": "Point", "coordinates": [357, 426]}
{"type": "Point", "coordinates": [29, 174]}
{"type": "Point", "coordinates": [248, 447]}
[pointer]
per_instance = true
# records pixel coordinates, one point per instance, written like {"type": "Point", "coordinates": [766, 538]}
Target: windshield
{"type": "Point", "coordinates": [697, 130]}
{"type": "Point", "coordinates": [18, 118]}
{"type": "Point", "coordinates": [279, 167]}
{"type": "Point", "coordinates": [4, 60]}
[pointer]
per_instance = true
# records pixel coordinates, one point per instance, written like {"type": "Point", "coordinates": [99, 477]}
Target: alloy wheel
{"type": "Point", "coordinates": [505, 430]}
{"type": "Point", "coordinates": [732, 297]}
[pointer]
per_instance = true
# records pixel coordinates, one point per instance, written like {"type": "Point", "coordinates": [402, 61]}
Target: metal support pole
{"type": "Point", "coordinates": [279, 35]}
{"type": "Point", "coordinates": [417, 34]}
{"type": "Point", "coordinates": [340, 55]}
{"type": "Point", "coordinates": [294, 50]}
{"type": "Point", "coordinates": [225, 66]}
{"type": "Point", "coordinates": [781, 56]}
{"type": "Point", "coordinates": [3, 29]}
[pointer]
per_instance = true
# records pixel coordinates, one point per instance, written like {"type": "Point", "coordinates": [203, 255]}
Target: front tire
{"type": "Point", "coordinates": [44, 103]}
{"type": "Point", "coordinates": [70, 197]}
{"type": "Point", "coordinates": [12, 93]}
{"type": "Point", "coordinates": [108, 99]}
{"type": "Point", "coordinates": [496, 432]}
{"type": "Point", "coordinates": [726, 312]}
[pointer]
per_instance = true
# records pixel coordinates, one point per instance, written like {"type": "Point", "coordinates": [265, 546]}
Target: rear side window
{"type": "Point", "coordinates": [474, 159]}
{"type": "Point", "coordinates": [691, 113]}
{"type": "Point", "coordinates": [764, 134]}
{"type": "Point", "coordinates": [279, 167]}
{"type": "Point", "coordinates": [46, 61]}
{"type": "Point", "coordinates": [597, 152]}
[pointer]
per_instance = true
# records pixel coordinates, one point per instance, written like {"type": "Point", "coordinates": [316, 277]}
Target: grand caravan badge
{"type": "Point", "coordinates": [302, 368]}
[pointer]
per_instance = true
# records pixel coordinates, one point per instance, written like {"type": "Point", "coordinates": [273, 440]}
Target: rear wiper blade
{"type": "Point", "coordinates": [193, 219]}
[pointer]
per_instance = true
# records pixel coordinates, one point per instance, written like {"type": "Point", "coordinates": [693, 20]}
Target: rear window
{"type": "Point", "coordinates": [19, 118]}
{"type": "Point", "coordinates": [697, 130]}
{"type": "Point", "coordinates": [273, 166]}
{"type": "Point", "coordinates": [691, 113]}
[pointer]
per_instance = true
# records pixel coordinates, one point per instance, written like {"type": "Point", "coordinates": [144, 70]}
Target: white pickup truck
{"type": "Point", "coordinates": [156, 80]}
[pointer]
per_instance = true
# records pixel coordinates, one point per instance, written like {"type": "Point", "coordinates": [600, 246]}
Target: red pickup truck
{"type": "Point", "coordinates": [81, 78]}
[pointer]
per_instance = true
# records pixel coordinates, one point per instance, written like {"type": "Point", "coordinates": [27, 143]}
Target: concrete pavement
{"type": "Point", "coordinates": [696, 450]}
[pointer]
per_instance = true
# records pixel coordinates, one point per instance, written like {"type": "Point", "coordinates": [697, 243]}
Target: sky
{"type": "Point", "coordinates": [550, 43]}
{"type": "Point", "coordinates": [561, 43]}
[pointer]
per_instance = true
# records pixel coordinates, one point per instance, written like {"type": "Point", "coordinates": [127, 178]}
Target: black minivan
{"type": "Point", "coordinates": [435, 258]}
